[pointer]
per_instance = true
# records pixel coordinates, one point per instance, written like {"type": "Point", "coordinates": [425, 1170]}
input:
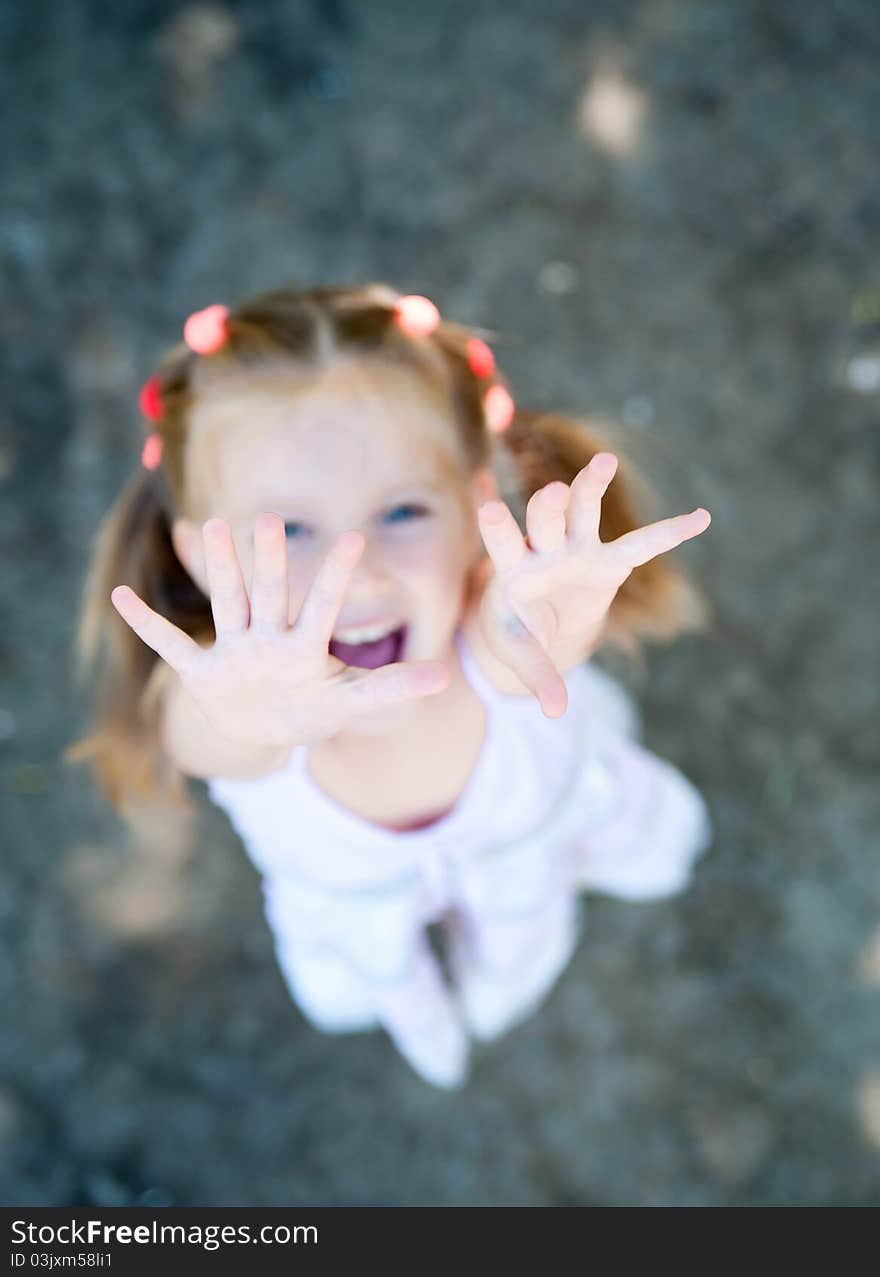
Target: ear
{"type": "Point", "coordinates": [186, 537]}
{"type": "Point", "coordinates": [484, 486]}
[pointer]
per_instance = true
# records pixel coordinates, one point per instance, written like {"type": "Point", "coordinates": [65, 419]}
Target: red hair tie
{"type": "Point", "coordinates": [417, 316]}
{"type": "Point", "coordinates": [151, 453]}
{"type": "Point", "coordinates": [150, 404]}
{"type": "Point", "coordinates": [497, 402]}
{"type": "Point", "coordinates": [480, 358]}
{"type": "Point", "coordinates": [150, 400]}
{"type": "Point", "coordinates": [205, 330]}
{"type": "Point", "coordinates": [499, 408]}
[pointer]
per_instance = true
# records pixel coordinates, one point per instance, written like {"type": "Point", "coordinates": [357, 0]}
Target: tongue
{"type": "Point", "coordinates": [368, 656]}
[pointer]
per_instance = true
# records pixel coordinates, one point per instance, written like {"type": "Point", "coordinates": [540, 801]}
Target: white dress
{"type": "Point", "coordinates": [553, 807]}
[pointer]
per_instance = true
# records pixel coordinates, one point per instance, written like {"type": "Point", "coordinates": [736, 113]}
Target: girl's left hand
{"type": "Point", "coordinates": [554, 589]}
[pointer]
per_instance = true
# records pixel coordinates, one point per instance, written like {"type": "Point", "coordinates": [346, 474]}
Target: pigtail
{"type": "Point", "coordinates": [658, 601]}
{"type": "Point", "coordinates": [133, 547]}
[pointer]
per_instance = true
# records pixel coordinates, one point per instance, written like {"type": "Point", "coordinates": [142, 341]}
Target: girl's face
{"type": "Point", "coordinates": [358, 447]}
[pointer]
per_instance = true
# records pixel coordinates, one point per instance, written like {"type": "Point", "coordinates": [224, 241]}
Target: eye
{"type": "Point", "coordinates": [294, 530]}
{"type": "Point", "coordinates": [404, 513]}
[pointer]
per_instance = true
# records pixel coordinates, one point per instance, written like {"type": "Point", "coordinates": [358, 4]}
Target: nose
{"type": "Point", "coordinates": [369, 580]}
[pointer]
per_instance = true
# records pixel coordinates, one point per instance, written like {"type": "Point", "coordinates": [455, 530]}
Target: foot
{"type": "Point", "coordinates": [438, 1052]}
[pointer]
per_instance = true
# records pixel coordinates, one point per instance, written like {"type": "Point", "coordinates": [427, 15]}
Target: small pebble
{"type": "Point", "coordinates": [327, 84]}
{"type": "Point", "coordinates": [558, 278]}
{"type": "Point", "coordinates": [863, 374]}
{"type": "Point", "coordinates": [156, 1195]}
{"type": "Point", "coordinates": [638, 412]}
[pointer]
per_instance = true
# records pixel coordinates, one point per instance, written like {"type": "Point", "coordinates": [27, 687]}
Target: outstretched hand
{"type": "Point", "coordinates": [553, 589]}
{"type": "Point", "coordinates": [266, 681]}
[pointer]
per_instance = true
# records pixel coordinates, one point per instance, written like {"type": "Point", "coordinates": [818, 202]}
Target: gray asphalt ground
{"type": "Point", "coordinates": [671, 212]}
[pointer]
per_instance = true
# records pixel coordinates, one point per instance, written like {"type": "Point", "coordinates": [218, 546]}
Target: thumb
{"type": "Point", "coordinates": [518, 648]}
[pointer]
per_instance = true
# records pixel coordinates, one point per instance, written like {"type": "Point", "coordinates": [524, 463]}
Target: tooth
{"type": "Point", "coordinates": [366, 634]}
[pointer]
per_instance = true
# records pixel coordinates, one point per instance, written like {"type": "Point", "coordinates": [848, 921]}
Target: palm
{"type": "Point", "coordinates": [557, 585]}
{"type": "Point", "coordinates": [554, 594]}
{"type": "Point", "coordinates": [265, 681]}
{"type": "Point", "coordinates": [254, 685]}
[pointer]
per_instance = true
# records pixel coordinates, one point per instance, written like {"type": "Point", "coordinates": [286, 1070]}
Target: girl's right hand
{"type": "Point", "coordinates": [265, 682]}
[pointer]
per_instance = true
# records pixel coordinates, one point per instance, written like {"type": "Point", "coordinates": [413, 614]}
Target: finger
{"type": "Point", "coordinates": [637, 547]}
{"type": "Point", "coordinates": [501, 535]}
{"type": "Point", "coordinates": [270, 589]}
{"type": "Point", "coordinates": [540, 619]}
{"type": "Point", "coordinates": [229, 600]}
{"type": "Point", "coordinates": [403, 681]}
{"type": "Point", "coordinates": [322, 603]}
{"type": "Point", "coordinates": [545, 517]}
{"type": "Point", "coordinates": [175, 648]}
{"type": "Point", "coordinates": [587, 490]}
{"type": "Point", "coordinates": [533, 667]}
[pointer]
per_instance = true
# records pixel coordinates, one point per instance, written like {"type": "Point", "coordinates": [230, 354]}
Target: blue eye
{"type": "Point", "coordinates": [293, 529]}
{"type": "Point", "coordinates": [404, 513]}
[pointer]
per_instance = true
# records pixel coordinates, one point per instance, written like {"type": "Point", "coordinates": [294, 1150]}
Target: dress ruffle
{"type": "Point", "coordinates": [645, 824]}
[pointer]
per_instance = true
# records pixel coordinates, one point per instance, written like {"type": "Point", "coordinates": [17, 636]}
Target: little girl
{"type": "Point", "coordinates": [330, 614]}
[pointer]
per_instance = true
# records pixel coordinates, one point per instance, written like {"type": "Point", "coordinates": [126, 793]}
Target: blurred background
{"type": "Point", "coordinates": [670, 212]}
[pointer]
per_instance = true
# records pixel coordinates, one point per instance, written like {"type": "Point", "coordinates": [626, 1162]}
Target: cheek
{"type": "Point", "coordinates": [300, 574]}
{"type": "Point", "coordinates": [430, 566]}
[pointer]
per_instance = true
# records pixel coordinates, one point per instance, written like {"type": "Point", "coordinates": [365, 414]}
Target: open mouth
{"type": "Point", "coordinates": [370, 655]}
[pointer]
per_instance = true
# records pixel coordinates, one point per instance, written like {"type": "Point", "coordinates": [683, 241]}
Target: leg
{"type": "Point", "coordinates": [422, 1021]}
{"type": "Point", "coordinates": [361, 961]}
{"type": "Point", "coordinates": [504, 964]}
{"type": "Point", "coordinates": [328, 990]}
{"type": "Point", "coordinates": [415, 1010]}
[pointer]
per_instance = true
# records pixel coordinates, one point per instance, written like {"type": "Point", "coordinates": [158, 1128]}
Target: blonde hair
{"type": "Point", "coordinates": [311, 328]}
